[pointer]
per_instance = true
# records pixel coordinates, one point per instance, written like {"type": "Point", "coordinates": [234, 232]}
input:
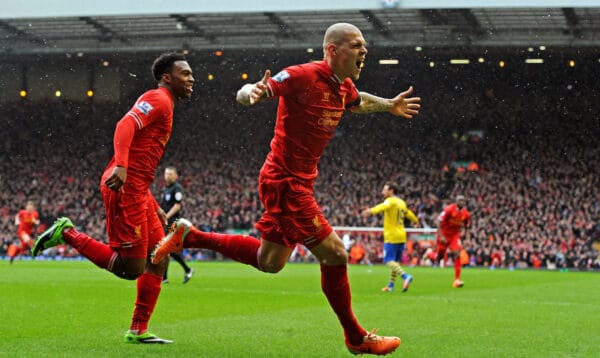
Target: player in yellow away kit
{"type": "Point", "coordinates": [395, 212]}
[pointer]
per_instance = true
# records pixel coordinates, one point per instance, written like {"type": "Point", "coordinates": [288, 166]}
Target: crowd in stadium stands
{"type": "Point", "coordinates": [528, 163]}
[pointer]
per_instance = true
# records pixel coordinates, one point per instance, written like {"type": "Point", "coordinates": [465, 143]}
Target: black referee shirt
{"type": "Point", "coordinates": [172, 194]}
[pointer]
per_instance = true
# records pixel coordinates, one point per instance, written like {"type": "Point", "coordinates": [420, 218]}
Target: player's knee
{"type": "Point", "coordinates": [128, 275]}
{"type": "Point", "coordinates": [131, 273]}
{"type": "Point", "coordinates": [271, 267]}
{"type": "Point", "coordinates": [128, 269]}
{"type": "Point", "coordinates": [336, 258]}
{"type": "Point", "coordinates": [159, 268]}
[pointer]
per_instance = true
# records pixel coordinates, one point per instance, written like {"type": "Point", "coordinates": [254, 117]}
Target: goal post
{"type": "Point", "coordinates": [419, 234]}
{"type": "Point", "coordinates": [419, 244]}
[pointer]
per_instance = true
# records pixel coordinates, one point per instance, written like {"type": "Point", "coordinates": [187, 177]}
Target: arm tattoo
{"type": "Point", "coordinates": [370, 103]}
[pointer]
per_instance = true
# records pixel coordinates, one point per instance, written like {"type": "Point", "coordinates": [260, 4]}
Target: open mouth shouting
{"type": "Point", "coordinates": [360, 64]}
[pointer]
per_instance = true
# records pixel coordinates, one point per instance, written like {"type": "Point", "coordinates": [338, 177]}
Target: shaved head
{"type": "Point", "coordinates": [344, 50]}
{"type": "Point", "coordinates": [336, 33]}
{"type": "Point", "coordinates": [460, 201]}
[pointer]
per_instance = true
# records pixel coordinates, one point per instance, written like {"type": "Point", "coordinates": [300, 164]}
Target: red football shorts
{"type": "Point", "coordinates": [21, 235]}
{"type": "Point", "coordinates": [291, 215]}
{"type": "Point", "coordinates": [24, 244]}
{"type": "Point", "coordinates": [132, 225]}
{"type": "Point", "coordinates": [452, 243]}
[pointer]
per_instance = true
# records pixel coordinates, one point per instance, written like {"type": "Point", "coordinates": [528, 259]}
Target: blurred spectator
{"type": "Point", "coordinates": [534, 196]}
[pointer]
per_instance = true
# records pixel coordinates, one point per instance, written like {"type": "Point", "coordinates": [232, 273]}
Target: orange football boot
{"type": "Point", "coordinates": [458, 284]}
{"type": "Point", "coordinates": [173, 242]}
{"type": "Point", "coordinates": [374, 344]}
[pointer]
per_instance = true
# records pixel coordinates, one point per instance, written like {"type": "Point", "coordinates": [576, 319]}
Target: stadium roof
{"type": "Point", "coordinates": [395, 26]}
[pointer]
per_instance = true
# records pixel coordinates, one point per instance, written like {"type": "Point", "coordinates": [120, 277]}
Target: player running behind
{"type": "Point", "coordinates": [454, 218]}
{"type": "Point", "coordinates": [134, 220]}
{"type": "Point", "coordinates": [26, 221]}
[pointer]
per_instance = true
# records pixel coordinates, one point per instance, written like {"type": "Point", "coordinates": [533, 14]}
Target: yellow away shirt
{"type": "Point", "coordinates": [394, 211]}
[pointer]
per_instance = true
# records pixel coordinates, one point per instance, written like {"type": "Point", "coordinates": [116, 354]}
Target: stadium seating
{"type": "Point", "coordinates": [533, 193]}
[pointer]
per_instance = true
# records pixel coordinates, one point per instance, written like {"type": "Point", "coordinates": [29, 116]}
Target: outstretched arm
{"type": "Point", "coordinates": [443, 240]}
{"type": "Point", "coordinates": [366, 212]}
{"type": "Point", "coordinates": [251, 94]}
{"type": "Point", "coordinates": [379, 208]}
{"type": "Point", "coordinates": [402, 105]}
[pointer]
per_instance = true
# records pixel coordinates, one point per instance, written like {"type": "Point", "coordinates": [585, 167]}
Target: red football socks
{"type": "Point", "coordinates": [241, 248]}
{"type": "Point", "coordinates": [148, 289]}
{"type": "Point", "coordinates": [457, 268]}
{"type": "Point", "coordinates": [335, 285]}
{"type": "Point", "coordinates": [97, 252]}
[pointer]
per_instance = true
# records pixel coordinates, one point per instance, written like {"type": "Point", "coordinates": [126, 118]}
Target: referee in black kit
{"type": "Point", "coordinates": [171, 202]}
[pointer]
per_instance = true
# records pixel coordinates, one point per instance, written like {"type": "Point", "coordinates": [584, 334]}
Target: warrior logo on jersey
{"type": "Point", "coordinates": [144, 107]}
{"type": "Point", "coordinates": [163, 140]}
{"type": "Point", "coordinates": [281, 76]}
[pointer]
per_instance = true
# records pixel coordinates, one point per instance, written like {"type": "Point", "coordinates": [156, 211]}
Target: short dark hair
{"type": "Point", "coordinates": [170, 167]}
{"type": "Point", "coordinates": [392, 186]}
{"type": "Point", "coordinates": [164, 63]}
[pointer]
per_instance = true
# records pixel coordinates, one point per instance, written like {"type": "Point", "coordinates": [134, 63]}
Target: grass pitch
{"type": "Point", "coordinates": [73, 309]}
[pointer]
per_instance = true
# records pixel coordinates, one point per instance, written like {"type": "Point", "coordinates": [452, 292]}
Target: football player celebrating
{"type": "Point", "coordinates": [134, 220]}
{"type": "Point", "coordinates": [312, 99]}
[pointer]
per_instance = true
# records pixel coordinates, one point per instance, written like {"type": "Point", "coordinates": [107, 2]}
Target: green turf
{"type": "Point", "coordinates": [73, 309]}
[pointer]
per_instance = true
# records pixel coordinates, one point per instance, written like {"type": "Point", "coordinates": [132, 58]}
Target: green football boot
{"type": "Point", "coordinates": [146, 338]}
{"type": "Point", "coordinates": [51, 237]}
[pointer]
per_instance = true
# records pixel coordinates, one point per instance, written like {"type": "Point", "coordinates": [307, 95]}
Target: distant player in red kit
{"type": "Point", "coordinates": [452, 220]}
{"type": "Point", "coordinates": [134, 220]}
{"type": "Point", "coordinates": [26, 221]}
{"type": "Point", "coordinates": [312, 99]}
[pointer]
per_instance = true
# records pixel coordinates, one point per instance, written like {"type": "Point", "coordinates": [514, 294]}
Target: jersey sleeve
{"type": "Point", "coordinates": [411, 216]}
{"type": "Point", "coordinates": [468, 219]}
{"type": "Point", "coordinates": [442, 218]}
{"type": "Point", "coordinates": [149, 107]}
{"type": "Point", "coordinates": [122, 141]}
{"type": "Point", "coordinates": [354, 98]}
{"type": "Point", "coordinates": [178, 194]}
{"type": "Point", "coordinates": [381, 207]}
{"type": "Point", "coordinates": [289, 80]}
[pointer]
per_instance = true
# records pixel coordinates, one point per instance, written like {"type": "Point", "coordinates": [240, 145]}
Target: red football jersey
{"type": "Point", "coordinates": [152, 115]}
{"type": "Point", "coordinates": [26, 221]}
{"type": "Point", "coordinates": [312, 100]}
{"type": "Point", "coordinates": [452, 220]}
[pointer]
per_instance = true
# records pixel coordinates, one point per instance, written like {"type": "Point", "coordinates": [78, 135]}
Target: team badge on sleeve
{"type": "Point", "coordinates": [281, 76]}
{"type": "Point", "coordinates": [178, 196]}
{"type": "Point", "coordinates": [144, 107]}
